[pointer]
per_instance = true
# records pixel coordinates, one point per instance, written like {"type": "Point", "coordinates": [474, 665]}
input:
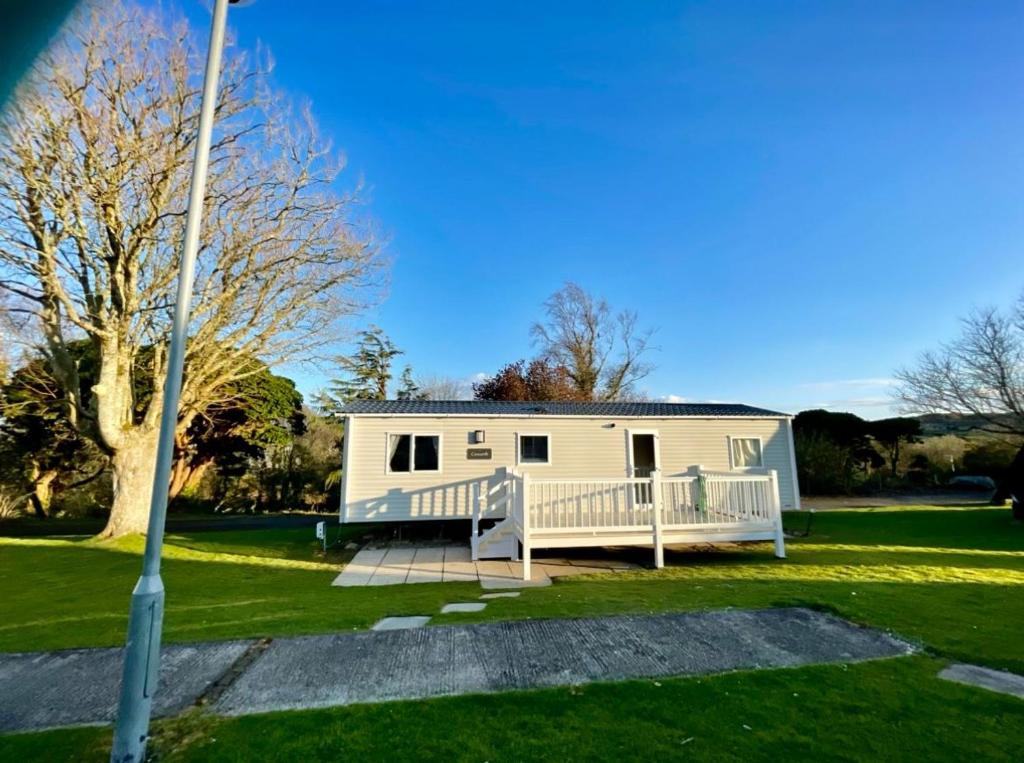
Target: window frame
{"type": "Point", "coordinates": [412, 452]}
{"type": "Point", "coordinates": [732, 461]}
{"type": "Point", "coordinates": [519, 449]}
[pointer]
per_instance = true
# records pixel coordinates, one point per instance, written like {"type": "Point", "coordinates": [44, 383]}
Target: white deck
{"type": "Point", "coordinates": [702, 507]}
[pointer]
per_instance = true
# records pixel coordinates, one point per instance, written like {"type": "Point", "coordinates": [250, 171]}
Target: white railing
{"type": "Point", "coordinates": [637, 510]}
{"type": "Point", "coordinates": [693, 500]}
{"type": "Point", "coordinates": [719, 498]}
{"type": "Point", "coordinates": [588, 504]}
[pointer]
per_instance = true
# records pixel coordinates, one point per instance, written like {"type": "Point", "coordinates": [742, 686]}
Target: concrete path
{"type": "Point", "coordinates": [78, 687]}
{"type": "Point", "coordinates": [444, 564]}
{"type": "Point", "coordinates": [324, 671]}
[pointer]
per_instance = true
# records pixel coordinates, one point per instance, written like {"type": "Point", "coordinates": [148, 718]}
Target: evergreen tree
{"type": "Point", "coordinates": [367, 372]}
{"type": "Point", "coordinates": [409, 390]}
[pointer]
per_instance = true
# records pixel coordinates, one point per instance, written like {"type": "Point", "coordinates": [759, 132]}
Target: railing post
{"type": "Point", "coordinates": [474, 537]}
{"type": "Point", "coordinates": [780, 541]}
{"type": "Point", "coordinates": [510, 513]}
{"type": "Point", "coordinates": [525, 523]}
{"type": "Point", "coordinates": [659, 549]}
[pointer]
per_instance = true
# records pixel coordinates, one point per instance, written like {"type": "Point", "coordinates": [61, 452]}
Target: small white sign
{"type": "Point", "coordinates": [320, 530]}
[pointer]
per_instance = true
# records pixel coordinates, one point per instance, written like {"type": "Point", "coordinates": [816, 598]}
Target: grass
{"type": "Point", "coordinates": [60, 593]}
{"type": "Point", "coordinates": [950, 579]}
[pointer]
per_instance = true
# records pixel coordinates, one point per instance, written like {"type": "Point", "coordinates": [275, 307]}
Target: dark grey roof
{"type": "Point", "coordinates": [502, 408]}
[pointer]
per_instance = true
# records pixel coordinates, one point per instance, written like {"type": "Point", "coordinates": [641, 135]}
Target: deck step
{"type": "Point", "coordinates": [499, 542]}
{"type": "Point", "coordinates": [498, 548]}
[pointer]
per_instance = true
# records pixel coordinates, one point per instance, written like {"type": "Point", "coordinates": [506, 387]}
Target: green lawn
{"type": "Point", "coordinates": [948, 579]}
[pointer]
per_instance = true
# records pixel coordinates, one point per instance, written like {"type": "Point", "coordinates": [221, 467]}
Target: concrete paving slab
{"type": "Point", "coordinates": [452, 563]}
{"type": "Point", "coordinates": [985, 678]}
{"type": "Point", "coordinates": [500, 595]}
{"type": "Point", "coordinates": [389, 576]}
{"type": "Point", "coordinates": [469, 606]}
{"type": "Point", "coordinates": [359, 571]}
{"type": "Point", "coordinates": [401, 623]}
{"type": "Point", "coordinates": [399, 555]}
{"type": "Point", "coordinates": [494, 568]}
{"type": "Point", "coordinates": [324, 671]}
{"type": "Point", "coordinates": [427, 565]}
{"type": "Point", "coordinates": [80, 686]}
{"type": "Point", "coordinates": [556, 569]}
{"type": "Point", "coordinates": [457, 554]}
{"type": "Point", "coordinates": [369, 557]}
{"type": "Point", "coordinates": [394, 567]}
{"type": "Point", "coordinates": [459, 572]}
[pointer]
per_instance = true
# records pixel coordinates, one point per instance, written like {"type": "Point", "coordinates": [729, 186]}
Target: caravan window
{"type": "Point", "coordinates": [534, 449]}
{"type": "Point", "coordinates": [745, 452]}
{"type": "Point", "coordinates": [414, 453]}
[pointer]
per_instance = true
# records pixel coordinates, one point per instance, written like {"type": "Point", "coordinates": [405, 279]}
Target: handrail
{"type": "Point", "coordinates": [636, 509]}
{"type": "Point", "coordinates": [697, 500]}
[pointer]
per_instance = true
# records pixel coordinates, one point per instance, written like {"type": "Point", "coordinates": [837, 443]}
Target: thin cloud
{"type": "Point", "coordinates": [881, 381]}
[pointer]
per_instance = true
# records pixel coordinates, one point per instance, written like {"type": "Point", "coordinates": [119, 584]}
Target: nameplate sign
{"type": "Point", "coordinates": [478, 454]}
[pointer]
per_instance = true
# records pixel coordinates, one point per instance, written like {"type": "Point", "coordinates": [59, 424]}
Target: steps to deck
{"type": "Point", "coordinates": [499, 542]}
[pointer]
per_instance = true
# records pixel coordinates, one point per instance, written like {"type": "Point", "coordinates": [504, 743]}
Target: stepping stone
{"type": "Point", "coordinates": [500, 595]}
{"type": "Point", "coordinates": [985, 678]}
{"type": "Point", "coordinates": [469, 606]}
{"type": "Point", "coordinates": [401, 623]}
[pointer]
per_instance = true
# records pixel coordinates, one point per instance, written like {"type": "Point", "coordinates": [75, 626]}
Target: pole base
{"type": "Point", "coordinates": [141, 671]}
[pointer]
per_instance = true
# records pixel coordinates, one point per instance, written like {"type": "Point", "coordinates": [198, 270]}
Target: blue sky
{"type": "Point", "coordinates": [799, 196]}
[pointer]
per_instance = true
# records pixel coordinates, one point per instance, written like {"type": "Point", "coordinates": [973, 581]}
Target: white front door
{"type": "Point", "coordinates": [642, 448]}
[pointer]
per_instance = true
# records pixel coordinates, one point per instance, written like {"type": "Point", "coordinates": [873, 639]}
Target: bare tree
{"type": "Point", "coordinates": [95, 159]}
{"type": "Point", "coordinates": [980, 374]}
{"type": "Point", "coordinates": [603, 352]}
{"type": "Point", "coordinates": [444, 388]}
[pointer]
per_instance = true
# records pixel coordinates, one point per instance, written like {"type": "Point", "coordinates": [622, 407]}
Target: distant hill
{"type": "Point", "coordinates": [937, 424]}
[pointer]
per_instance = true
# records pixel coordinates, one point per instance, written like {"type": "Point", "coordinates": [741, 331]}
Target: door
{"type": "Point", "coordinates": [643, 459]}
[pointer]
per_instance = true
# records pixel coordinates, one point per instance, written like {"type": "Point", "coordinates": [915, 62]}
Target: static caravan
{"type": "Point", "coordinates": [561, 474]}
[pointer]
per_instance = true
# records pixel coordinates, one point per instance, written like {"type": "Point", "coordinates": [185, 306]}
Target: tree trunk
{"type": "Point", "coordinates": [186, 475]}
{"type": "Point", "coordinates": [132, 476]}
{"type": "Point", "coordinates": [42, 492]}
{"type": "Point", "coordinates": [1012, 486]}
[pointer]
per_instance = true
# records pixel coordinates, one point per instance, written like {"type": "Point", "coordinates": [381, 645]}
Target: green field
{"type": "Point", "coordinates": [947, 579]}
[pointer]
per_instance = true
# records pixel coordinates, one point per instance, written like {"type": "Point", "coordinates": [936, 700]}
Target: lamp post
{"type": "Point", "coordinates": [145, 619]}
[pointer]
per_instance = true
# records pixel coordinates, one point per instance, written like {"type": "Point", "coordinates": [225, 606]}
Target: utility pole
{"type": "Point", "coordinates": [145, 620]}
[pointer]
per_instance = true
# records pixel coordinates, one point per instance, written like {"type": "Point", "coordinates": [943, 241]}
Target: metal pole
{"type": "Point", "coordinates": [145, 620]}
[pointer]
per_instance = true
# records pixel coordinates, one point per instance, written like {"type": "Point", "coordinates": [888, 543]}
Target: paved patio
{"type": "Point", "coordinates": [452, 563]}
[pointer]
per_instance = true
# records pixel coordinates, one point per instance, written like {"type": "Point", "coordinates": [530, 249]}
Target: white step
{"type": "Point", "coordinates": [499, 542]}
{"type": "Point", "coordinates": [497, 548]}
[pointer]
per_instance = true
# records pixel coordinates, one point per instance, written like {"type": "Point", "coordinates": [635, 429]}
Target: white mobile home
{"type": "Point", "coordinates": [559, 474]}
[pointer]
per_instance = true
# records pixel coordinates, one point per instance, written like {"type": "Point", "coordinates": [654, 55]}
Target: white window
{"type": "Point", "coordinates": [534, 449]}
{"type": "Point", "coordinates": [745, 452]}
{"type": "Point", "coordinates": [414, 453]}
